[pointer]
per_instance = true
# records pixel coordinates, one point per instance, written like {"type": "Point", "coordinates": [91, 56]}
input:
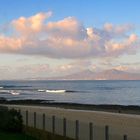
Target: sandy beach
{"type": "Point", "coordinates": [119, 124]}
{"type": "Point", "coordinates": [119, 120]}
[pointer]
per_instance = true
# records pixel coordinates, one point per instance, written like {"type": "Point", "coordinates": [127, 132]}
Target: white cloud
{"type": "Point", "coordinates": [67, 38]}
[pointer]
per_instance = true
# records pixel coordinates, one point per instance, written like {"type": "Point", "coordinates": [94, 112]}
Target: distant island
{"type": "Point", "coordinates": [111, 74]}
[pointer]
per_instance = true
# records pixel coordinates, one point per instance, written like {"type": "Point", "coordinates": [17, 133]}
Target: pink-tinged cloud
{"type": "Point", "coordinates": [67, 38]}
{"type": "Point", "coordinates": [121, 68]}
{"type": "Point", "coordinates": [67, 28]}
{"type": "Point", "coordinates": [10, 44]}
{"type": "Point", "coordinates": [73, 67]}
{"type": "Point", "coordinates": [128, 45]}
{"type": "Point", "coordinates": [118, 29]}
{"type": "Point", "coordinates": [32, 24]}
{"type": "Point", "coordinates": [128, 68]}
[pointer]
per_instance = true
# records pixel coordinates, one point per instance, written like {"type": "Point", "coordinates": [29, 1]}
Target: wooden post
{"type": "Point", "coordinates": [106, 132]}
{"type": "Point", "coordinates": [43, 122]}
{"type": "Point", "coordinates": [53, 124]}
{"type": "Point", "coordinates": [125, 137]}
{"type": "Point", "coordinates": [64, 127]}
{"type": "Point", "coordinates": [77, 130]}
{"type": "Point", "coordinates": [26, 117]}
{"type": "Point", "coordinates": [34, 119]}
{"type": "Point", "coordinates": [19, 111]}
{"type": "Point", "coordinates": [90, 131]}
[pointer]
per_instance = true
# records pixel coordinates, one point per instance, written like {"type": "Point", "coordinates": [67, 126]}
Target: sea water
{"type": "Point", "coordinates": [85, 92]}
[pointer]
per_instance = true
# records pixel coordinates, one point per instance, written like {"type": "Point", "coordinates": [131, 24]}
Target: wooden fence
{"type": "Point", "coordinates": [82, 125]}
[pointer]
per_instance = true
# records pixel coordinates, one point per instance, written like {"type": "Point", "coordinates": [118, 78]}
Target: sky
{"type": "Point", "coordinates": [45, 38]}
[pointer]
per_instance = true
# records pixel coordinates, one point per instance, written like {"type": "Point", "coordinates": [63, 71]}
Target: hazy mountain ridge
{"type": "Point", "coordinates": [111, 74]}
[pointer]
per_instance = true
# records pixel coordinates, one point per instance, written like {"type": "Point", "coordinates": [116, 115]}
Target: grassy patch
{"type": "Point", "coordinates": [14, 136]}
{"type": "Point", "coordinates": [44, 135]}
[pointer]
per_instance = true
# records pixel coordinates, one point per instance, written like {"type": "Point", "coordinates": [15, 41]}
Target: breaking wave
{"type": "Point", "coordinates": [55, 90]}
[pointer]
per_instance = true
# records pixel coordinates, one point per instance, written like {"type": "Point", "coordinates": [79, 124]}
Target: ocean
{"type": "Point", "coordinates": [85, 92]}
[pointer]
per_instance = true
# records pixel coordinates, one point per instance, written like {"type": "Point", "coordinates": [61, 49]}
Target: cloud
{"type": "Point", "coordinates": [69, 27]}
{"type": "Point", "coordinates": [35, 69]}
{"type": "Point", "coordinates": [128, 68]}
{"type": "Point", "coordinates": [118, 29]}
{"type": "Point", "coordinates": [73, 67]}
{"type": "Point", "coordinates": [67, 38]}
{"type": "Point", "coordinates": [28, 71]}
{"type": "Point", "coordinates": [43, 70]}
{"type": "Point", "coordinates": [33, 24]}
{"type": "Point", "coordinates": [121, 68]}
{"type": "Point", "coordinates": [10, 44]}
{"type": "Point", "coordinates": [127, 46]}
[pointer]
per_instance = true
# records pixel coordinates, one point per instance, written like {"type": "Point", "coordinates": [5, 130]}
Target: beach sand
{"type": "Point", "coordinates": [119, 124]}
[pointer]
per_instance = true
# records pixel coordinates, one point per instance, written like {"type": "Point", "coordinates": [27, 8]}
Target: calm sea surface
{"type": "Point", "coordinates": [86, 92]}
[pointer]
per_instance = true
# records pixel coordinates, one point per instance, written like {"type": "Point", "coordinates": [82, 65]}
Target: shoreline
{"type": "Point", "coordinates": [125, 109]}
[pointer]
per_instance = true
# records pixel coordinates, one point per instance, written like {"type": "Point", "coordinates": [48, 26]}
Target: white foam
{"type": "Point", "coordinates": [15, 93]}
{"type": "Point", "coordinates": [41, 90]}
{"type": "Point", "coordinates": [56, 91]}
{"type": "Point", "coordinates": [5, 91]}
